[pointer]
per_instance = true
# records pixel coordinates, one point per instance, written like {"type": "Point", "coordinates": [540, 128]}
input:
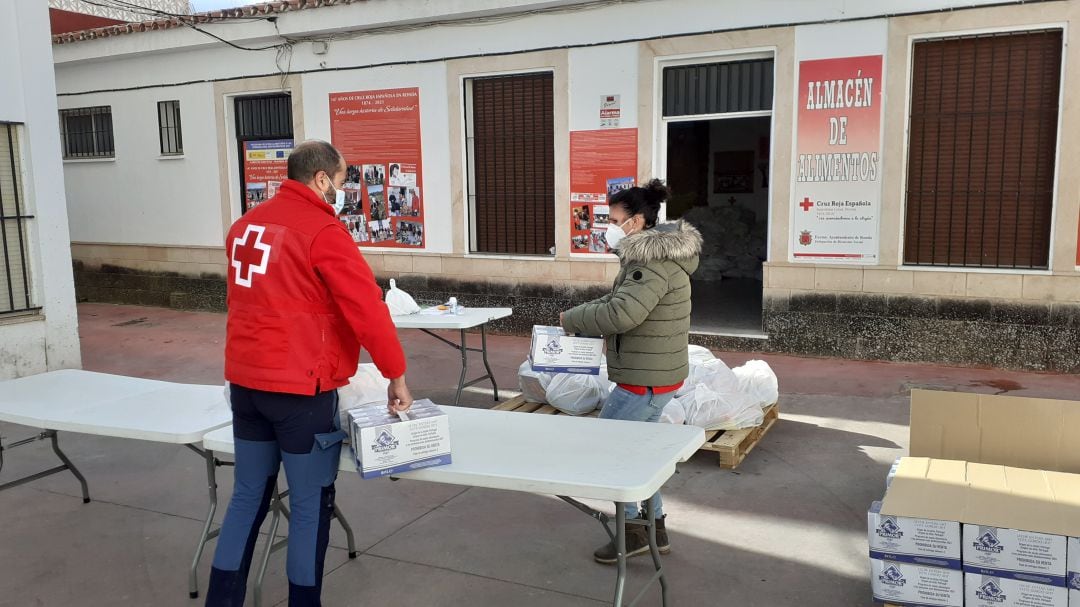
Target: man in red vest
{"type": "Point", "coordinates": [302, 303]}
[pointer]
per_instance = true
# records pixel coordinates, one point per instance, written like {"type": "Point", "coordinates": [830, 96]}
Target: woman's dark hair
{"type": "Point", "coordinates": [642, 200]}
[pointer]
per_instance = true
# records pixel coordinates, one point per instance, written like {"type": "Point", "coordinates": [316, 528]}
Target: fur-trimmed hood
{"type": "Point", "coordinates": [676, 241]}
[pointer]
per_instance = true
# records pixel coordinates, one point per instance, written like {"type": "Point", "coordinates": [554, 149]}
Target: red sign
{"type": "Point", "coordinates": [601, 164]}
{"type": "Point", "coordinates": [265, 167]}
{"type": "Point", "coordinates": [378, 132]}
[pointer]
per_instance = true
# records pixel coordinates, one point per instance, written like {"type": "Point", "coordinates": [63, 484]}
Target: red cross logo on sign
{"type": "Point", "coordinates": [250, 255]}
{"type": "Point", "coordinates": [806, 203]}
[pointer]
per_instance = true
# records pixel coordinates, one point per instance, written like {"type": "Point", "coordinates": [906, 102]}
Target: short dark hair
{"type": "Point", "coordinates": [642, 200]}
{"type": "Point", "coordinates": [310, 157]}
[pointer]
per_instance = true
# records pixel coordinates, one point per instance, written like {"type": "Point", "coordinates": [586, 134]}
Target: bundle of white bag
{"type": "Point", "coordinates": [366, 387]}
{"type": "Point", "coordinates": [571, 393]}
{"type": "Point", "coordinates": [713, 397]}
{"type": "Point", "coordinates": [716, 397]}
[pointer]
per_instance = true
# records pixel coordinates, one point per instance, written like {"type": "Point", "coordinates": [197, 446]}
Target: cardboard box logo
{"type": "Point", "coordinates": [988, 542]}
{"type": "Point", "coordinates": [554, 346]}
{"type": "Point", "coordinates": [889, 529]}
{"type": "Point", "coordinates": [990, 591]}
{"type": "Point", "coordinates": [384, 440]}
{"type": "Point", "coordinates": [891, 576]}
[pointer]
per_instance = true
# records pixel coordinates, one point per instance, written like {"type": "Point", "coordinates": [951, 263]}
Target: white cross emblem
{"type": "Point", "coordinates": [250, 256]}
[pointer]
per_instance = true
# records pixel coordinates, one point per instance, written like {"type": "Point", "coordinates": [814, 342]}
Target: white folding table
{"type": "Point", "coordinates": [569, 457]}
{"type": "Point", "coordinates": [470, 318]}
{"type": "Point", "coordinates": [118, 407]}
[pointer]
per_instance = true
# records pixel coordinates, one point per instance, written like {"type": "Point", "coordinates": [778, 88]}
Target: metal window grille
{"type": "Point", "coordinates": [718, 88]}
{"type": "Point", "coordinates": [15, 293]}
{"type": "Point", "coordinates": [982, 148]}
{"type": "Point", "coordinates": [264, 117]}
{"type": "Point", "coordinates": [87, 132]}
{"type": "Point", "coordinates": [170, 135]}
{"type": "Point", "coordinates": [511, 135]}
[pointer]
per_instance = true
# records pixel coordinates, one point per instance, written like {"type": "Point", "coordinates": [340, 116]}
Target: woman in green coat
{"type": "Point", "coordinates": [645, 320]}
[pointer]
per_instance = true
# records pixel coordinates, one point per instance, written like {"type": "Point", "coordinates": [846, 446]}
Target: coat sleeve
{"type": "Point", "coordinates": [627, 307]}
{"type": "Point", "coordinates": [352, 285]}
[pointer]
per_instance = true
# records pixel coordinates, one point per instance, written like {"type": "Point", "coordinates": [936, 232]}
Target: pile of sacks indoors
{"type": "Point", "coordinates": [713, 397]}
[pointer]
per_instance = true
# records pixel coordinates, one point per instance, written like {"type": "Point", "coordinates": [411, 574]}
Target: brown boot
{"type": "Point", "coordinates": [662, 543]}
{"type": "Point", "coordinates": [637, 543]}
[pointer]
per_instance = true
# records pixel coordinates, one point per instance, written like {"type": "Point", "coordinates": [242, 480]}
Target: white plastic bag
{"type": "Point", "coordinates": [575, 394]}
{"type": "Point", "coordinates": [757, 381]}
{"type": "Point", "coordinates": [673, 413]}
{"type": "Point", "coordinates": [713, 410]}
{"type": "Point", "coordinates": [533, 384]}
{"type": "Point", "coordinates": [400, 302]}
{"type": "Point", "coordinates": [367, 387]}
{"type": "Point", "coordinates": [699, 355]}
{"type": "Point", "coordinates": [712, 373]}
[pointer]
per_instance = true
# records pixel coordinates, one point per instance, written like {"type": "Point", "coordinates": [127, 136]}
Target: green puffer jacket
{"type": "Point", "coordinates": [646, 318]}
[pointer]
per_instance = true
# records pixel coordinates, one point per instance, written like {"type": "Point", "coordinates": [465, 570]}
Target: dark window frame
{"type": "Point", "coordinates": [983, 128]}
{"type": "Point", "coordinates": [14, 242]}
{"type": "Point", "coordinates": [170, 131]}
{"type": "Point", "coordinates": [87, 132]}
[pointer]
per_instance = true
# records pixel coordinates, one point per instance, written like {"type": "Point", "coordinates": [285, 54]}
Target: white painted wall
{"type": "Point", "coordinates": [434, 129]}
{"type": "Point", "coordinates": [140, 196]}
{"type": "Point", "coordinates": [49, 340]}
{"type": "Point", "coordinates": [603, 70]}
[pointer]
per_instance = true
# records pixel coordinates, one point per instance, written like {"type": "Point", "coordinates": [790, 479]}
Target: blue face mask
{"type": "Point", "coordinates": [339, 199]}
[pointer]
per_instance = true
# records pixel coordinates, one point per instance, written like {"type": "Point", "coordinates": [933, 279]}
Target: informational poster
{"type": "Point", "coordinates": [610, 112]}
{"type": "Point", "coordinates": [265, 167]}
{"type": "Point", "coordinates": [378, 132]}
{"type": "Point", "coordinates": [601, 163]}
{"type": "Point", "coordinates": [837, 190]}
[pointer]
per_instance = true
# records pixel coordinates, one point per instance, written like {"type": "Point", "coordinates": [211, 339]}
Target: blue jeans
{"type": "Point", "coordinates": [626, 405]}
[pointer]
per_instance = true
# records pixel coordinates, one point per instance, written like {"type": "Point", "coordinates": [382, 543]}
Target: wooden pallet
{"type": "Point", "coordinates": [731, 446]}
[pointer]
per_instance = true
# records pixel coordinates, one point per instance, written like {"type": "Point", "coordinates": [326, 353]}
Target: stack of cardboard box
{"type": "Point", "coordinates": [982, 513]}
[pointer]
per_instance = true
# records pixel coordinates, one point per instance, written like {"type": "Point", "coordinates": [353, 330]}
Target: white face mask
{"type": "Point", "coordinates": [615, 233]}
{"type": "Point", "coordinates": [339, 199]}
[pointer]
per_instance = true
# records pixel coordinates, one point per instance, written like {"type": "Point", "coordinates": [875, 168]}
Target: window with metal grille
{"type": "Point", "coordinates": [87, 132]}
{"type": "Point", "coordinates": [170, 136]}
{"type": "Point", "coordinates": [264, 117]}
{"type": "Point", "coordinates": [718, 88]}
{"type": "Point", "coordinates": [982, 147]}
{"type": "Point", "coordinates": [14, 263]}
{"type": "Point", "coordinates": [510, 135]}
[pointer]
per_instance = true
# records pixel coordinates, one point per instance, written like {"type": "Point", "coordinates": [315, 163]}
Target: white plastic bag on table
{"type": "Point", "coordinates": [575, 394]}
{"type": "Point", "coordinates": [533, 384]}
{"type": "Point", "coordinates": [714, 410]}
{"type": "Point", "coordinates": [366, 387]}
{"type": "Point", "coordinates": [757, 380]}
{"type": "Point", "coordinates": [673, 413]}
{"type": "Point", "coordinates": [400, 302]}
{"type": "Point", "coordinates": [699, 354]}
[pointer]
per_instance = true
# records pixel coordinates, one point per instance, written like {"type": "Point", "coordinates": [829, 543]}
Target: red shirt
{"type": "Point", "coordinates": [302, 301]}
{"type": "Point", "coordinates": [643, 390]}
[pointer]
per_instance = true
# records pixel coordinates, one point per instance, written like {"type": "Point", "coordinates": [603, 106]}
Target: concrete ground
{"type": "Point", "coordinates": [787, 528]}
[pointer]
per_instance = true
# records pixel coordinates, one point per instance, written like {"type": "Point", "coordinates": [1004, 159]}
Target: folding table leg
{"type": "Point", "coordinates": [464, 368]}
{"type": "Point", "coordinates": [620, 548]}
{"type": "Point", "coordinates": [655, 551]}
{"type": "Point", "coordinates": [207, 535]}
{"type": "Point", "coordinates": [71, 466]}
{"type": "Point", "coordinates": [264, 562]}
{"type": "Point", "coordinates": [484, 350]}
{"type": "Point", "coordinates": [350, 540]}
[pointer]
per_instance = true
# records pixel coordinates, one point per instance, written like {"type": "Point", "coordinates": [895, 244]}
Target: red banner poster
{"type": "Point", "coordinates": [601, 164]}
{"type": "Point", "coordinates": [378, 132]}
{"type": "Point", "coordinates": [265, 167]}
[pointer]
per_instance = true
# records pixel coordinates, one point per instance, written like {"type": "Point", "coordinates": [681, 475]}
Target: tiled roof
{"type": "Point", "coordinates": [254, 10]}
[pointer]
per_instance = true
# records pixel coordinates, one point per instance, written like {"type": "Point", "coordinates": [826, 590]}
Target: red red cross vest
{"type": "Point", "coordinates": [302, 301]}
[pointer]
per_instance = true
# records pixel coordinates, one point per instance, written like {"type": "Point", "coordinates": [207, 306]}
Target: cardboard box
{"type": "Point", "coordinates": [913, 540]}
{"type": "Point", "coordinates": [553, 351]}
{"type": "Point", "coordinates": [1072, 580]}
{"type": "Point", "coordinates": [383, 444]}
{"type": "Point", "coordinates": [892, 473]}
{"type": "Point", "coordinates": [989, 591]}
{"type": "Point", "coordinates": [908, 583]}
{"type": "Point", "coordinates": [1034, 557]}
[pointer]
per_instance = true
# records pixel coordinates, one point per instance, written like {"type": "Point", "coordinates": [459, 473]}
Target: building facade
{"type": "Point", "coordinates": [38, 322]}
{"type": "Point", "coordinates": [878, 181]}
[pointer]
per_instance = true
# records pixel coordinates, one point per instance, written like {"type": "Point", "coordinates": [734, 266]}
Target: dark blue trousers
{"type": "Point", "coordinates": [304, 434]}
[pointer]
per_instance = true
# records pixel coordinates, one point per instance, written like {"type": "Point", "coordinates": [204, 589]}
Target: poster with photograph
{"type": "Point", "coordinates": [265, 167]}
{"type": "Point", "coordinates": [602, 163]}
{"type": "Point", "coordinates": [357, 226]}
{"type": "Point", "coordinates": [378, 132]}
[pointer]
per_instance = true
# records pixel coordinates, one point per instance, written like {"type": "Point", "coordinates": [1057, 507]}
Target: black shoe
{"type": "Point", "coordinates": [662, 543]}
{"type": "Point", "coordinates": [637, 543]}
